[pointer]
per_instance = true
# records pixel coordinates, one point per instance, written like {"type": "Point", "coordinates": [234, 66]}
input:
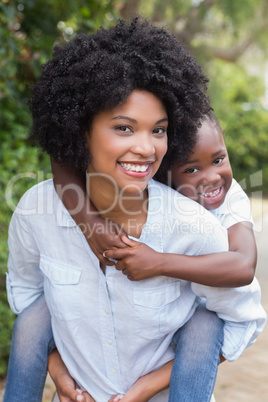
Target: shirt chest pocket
{"type": "Point", "coordinates": [62, 289]}
{"type": "Point", "coordinates": [156, 309]}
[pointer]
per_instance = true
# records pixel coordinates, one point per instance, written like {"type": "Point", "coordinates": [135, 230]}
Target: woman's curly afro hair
{"type": "Point", "coordinates": [98, 71]}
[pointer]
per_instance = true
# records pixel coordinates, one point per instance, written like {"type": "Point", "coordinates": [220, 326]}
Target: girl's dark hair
{"type": "Point", "coordinates": [210, 116]}
{"type": "Point", "coordinates": [99, 71]}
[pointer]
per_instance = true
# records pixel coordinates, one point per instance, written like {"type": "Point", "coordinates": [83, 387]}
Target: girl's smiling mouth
{"type": "Point", "coordinates": [211, 194]}
{"type": "Point", "coordinates": [214, 196]}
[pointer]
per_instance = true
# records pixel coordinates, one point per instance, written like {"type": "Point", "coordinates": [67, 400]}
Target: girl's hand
{"type": "Point", "coordinates": [138, 261]}
{"type": "Point", "coordinates": [103, 235]}
{"type": "Point", "coordinates": [100, 234]}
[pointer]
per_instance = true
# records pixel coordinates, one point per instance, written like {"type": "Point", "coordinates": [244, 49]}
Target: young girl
{"type": "Point", "coordinates": [111, 331]}
{"type": "Point", "coordinates": [206, 177]}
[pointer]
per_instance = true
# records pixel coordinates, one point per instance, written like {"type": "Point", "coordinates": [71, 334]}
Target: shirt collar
{"type": "Point", "coordinates": [63, 216]}
{"type": "Point", "coordinates": [152, 230]}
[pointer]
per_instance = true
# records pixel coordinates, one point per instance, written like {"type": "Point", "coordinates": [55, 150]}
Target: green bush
{"type": "Point", "coordinates": [6, 323]}
{"type": "Point", "coordinates": [246, 139]}
{"type": "Point", "coordinates": [236, 98]}
{"type": "Point", "coordinates": [22, 166]}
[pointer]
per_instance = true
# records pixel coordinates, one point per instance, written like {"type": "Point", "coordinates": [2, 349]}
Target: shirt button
{"type": "Point", "coordinates": [113, 371]}
{"type": "Point", "coordinates": [110, 342]}
{"type": "Point", "coordinates": [107, 311]}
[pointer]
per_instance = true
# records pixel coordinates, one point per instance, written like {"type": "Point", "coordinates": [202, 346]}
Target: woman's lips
{"type": "Point", "coordinates": [136, 169]}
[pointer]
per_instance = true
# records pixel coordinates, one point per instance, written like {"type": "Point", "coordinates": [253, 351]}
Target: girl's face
{"type": "Point", "coordinates": [206, 176]}
{"type": "Point", "coordinates": [128, 143]}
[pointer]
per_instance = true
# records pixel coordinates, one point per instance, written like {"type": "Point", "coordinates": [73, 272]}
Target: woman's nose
{"type": "Point", "coordinates": [144, 145]}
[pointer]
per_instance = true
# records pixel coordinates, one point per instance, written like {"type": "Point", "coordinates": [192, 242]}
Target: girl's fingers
{"type": "Point", "coordinates": [115, 255]}
{"type": "Point", "coordinates": [129, 242]}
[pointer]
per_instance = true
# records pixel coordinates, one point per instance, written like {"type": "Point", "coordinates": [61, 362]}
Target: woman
{"type": "Point", "coordinates": [110, 104]}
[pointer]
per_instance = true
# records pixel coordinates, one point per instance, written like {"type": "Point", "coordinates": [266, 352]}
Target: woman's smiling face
{"type": "Point", "coordinates": [127, 143]}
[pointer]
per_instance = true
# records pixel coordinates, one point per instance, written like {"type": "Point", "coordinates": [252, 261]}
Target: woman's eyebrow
{"type": "Point", "coordinates": [124, 118]}
{"type": "Point", "coordinates": [165, 119]}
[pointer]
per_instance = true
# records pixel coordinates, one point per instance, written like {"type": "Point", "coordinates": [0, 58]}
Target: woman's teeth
{"type": "Point", "coordinates": [212, 193]}
{"type": "Point", "coordinates": [134, 168]}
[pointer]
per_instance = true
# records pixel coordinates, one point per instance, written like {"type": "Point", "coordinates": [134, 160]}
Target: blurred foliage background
{"type": "Point", "coordinates": [229, 38]}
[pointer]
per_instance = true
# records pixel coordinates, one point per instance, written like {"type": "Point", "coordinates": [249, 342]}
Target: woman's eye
{"type": "Point", "coordinates": [124, 129]}
{"type": "Point", "coordinates": [218, 160]}
{"type": "Point", "coordinates": [160, 131]}
{"type": "Point", "coordinates": [191, 170]}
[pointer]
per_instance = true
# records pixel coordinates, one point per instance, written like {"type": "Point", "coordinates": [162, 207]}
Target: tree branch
{"type": "Point", "coordinates": [129, 9]}
{"type": "Point", "coordinates": [194, 23]}
{"type": "Point", "coordinates": [231, 54]}
{"type": "Point", "coordinates": [195, 26]}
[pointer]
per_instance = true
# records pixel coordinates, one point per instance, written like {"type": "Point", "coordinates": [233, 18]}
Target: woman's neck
{"type": "Point", "coordinates": [128, 210]}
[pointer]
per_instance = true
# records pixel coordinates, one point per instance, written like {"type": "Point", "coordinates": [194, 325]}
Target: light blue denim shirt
{"type": "Point", "coordinates": [109, 330]}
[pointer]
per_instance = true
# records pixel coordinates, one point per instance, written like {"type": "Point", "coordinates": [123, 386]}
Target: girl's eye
{"type": "Point", "coordinates": [191, 170]}
{"type": "Point", "coordinates": [218, 161]}
{"type": "Point", "coordinates": [160, 131]}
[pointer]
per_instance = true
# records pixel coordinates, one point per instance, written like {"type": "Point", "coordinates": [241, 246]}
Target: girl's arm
{"type": "Point", "coordinates": [232, 268]}
{"type": "Point", "coordinates": [100, 234]}
{"type": "Point", "coordinates": [66, 387]}
{"type": "Point", "coordinates": [227, 269]}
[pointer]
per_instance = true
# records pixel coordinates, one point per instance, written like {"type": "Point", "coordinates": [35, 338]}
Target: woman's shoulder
{"type": "Point", "coordinates": [173, 205]}
{"type": "Point", "coordinates": [36, 195]}
{"type": "Point", "coordinates": [182, 218]}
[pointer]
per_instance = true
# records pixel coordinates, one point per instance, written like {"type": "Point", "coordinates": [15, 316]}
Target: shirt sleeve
{"type": "Point", "coordinates": [241, 310]}
{"type": "Point", "coordinates": [235, 209]}
{"type": "Point", "coordinates": [24, 279]}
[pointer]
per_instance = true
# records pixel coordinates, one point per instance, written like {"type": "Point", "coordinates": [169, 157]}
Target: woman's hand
{"type": "Point", "coordinates": [138, 261]}
{"type": "Point", "coordinates": [147, 386]}
{"type": "Point", "coordinates": [67, 392]}
{"type": "Point", "coordinates": [116, 398]}
{"type": "Point", "coordinates": [65, 385]}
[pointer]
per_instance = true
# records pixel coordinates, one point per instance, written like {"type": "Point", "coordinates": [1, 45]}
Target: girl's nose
{"type": "Point", "coordinates": [210, 176]}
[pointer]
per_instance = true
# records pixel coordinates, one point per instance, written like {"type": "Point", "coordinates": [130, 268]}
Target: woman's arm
{"type": "Point", "coordinates": [100, 234]}
{"type": "Point", "coordinates": [232, 268]}
{"type": "Point", "coordinates": [148, 385]}
{"type": "Point", "coordinates": [144, 388]}
{"type": "Point", "coordinates": [65, 385]}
